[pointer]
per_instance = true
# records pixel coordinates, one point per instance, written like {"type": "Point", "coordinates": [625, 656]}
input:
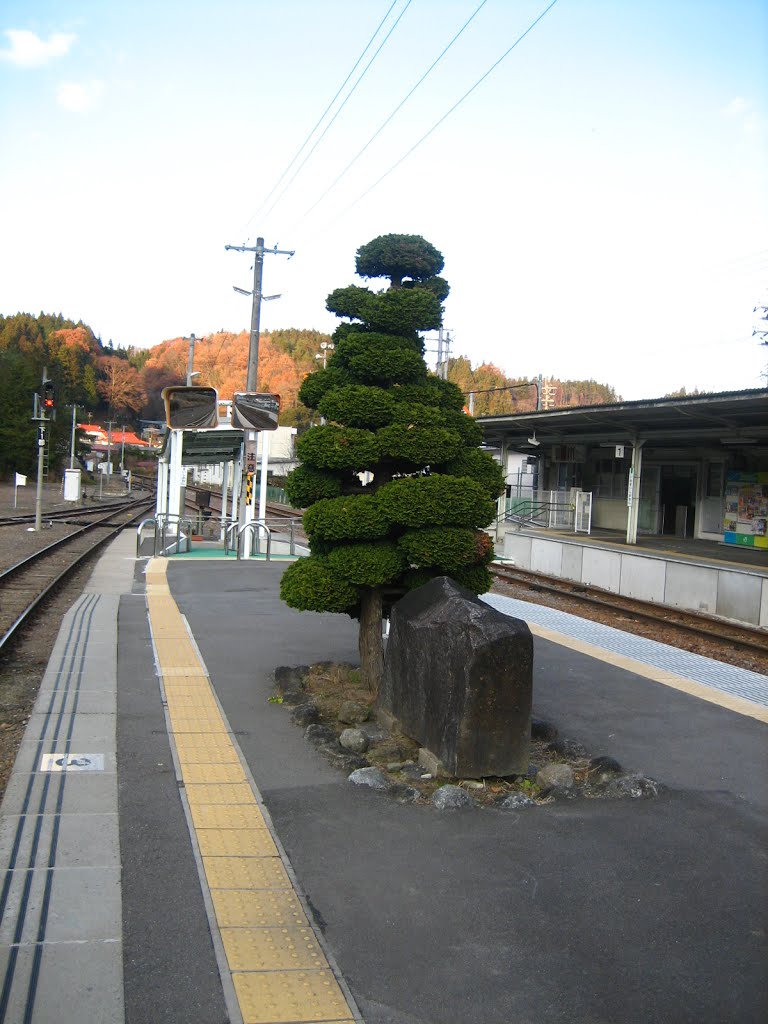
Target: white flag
{"type": "Point", "coordinates": [21, 480]}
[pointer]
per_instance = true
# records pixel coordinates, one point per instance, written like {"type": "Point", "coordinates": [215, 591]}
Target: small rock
{"type": "Point", "coordinates": [404, 794]}
{"type": "Point", "coordinates": [449, 798]}
{"type": "Point", "coordinates": [515, 801]}
{"type": "Point", "coordinates": [372, 777]}
{"type": "Point", "coordinates": [373, 731]}
{"type": "Point", "coordinates": [351, 713]}
{"type": "Point", "coordinates": [393, 766]}
{"type": "Point", "coordinates": [555, 776]}
{"type": "Point", "coordinates": [637, 787]}
{"type": "Point", "coordinates": [411, 770]}
{"type": "Point", "coordinates": [541, 730]}
{"type": "Point", "coordinates": [472, 784]}
{"type": "Point", "coordinates": [603, 769]}
{"type": "Point", "coordinates": [354, 740]}
{"type": "Point", "coordinates": [426, 776]}
{"type": "Point", "coordinates": [318, 734]}
{"type": "Point", "coordinates": [305, 714]}
{"type": "Point", "coordinates": [567, 747]}
{"type": "Point", "coordinates": [289, 681]}
{"type": "Point", "coordinates": [345, 761]}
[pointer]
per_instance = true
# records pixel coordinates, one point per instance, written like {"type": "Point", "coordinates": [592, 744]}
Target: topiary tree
{"type": "Point", "coordinates": [395, 487]}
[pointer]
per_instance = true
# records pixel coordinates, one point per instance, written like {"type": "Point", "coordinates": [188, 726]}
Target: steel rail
{"type": "Point", "coordinates": [39, 555]}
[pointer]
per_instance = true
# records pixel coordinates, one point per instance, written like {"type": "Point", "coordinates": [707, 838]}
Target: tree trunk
{"type": "Point", "coordinates": [370, 642]}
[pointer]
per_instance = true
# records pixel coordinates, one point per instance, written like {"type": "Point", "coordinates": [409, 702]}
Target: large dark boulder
{"type": "Point", "coordinates": [458, 677]}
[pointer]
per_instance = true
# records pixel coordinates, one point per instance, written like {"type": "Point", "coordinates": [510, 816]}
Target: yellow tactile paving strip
{"type": "Point", "coordinates": [279, 970]}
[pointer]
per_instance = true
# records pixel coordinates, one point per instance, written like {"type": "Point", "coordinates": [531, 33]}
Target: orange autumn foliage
{"type": "Point", "coordinates": [221, 360]}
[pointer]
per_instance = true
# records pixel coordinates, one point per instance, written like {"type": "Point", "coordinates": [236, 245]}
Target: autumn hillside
{"type": "Point", "coordinates": [124, 384]}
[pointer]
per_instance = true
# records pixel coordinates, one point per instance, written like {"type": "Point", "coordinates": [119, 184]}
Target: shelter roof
{"type": "Point", "coordinates": [733, 419]}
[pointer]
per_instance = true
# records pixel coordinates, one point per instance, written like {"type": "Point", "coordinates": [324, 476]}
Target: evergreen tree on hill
{"type": "Point", "coordinates": [429, 490]}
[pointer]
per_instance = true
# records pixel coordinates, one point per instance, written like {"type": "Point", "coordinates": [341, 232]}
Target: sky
{"type": "Point", "coordinates": [597, 187]}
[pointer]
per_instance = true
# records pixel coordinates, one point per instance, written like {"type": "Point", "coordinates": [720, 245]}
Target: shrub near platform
{"type": "Point", "coordinates": [389, 425]}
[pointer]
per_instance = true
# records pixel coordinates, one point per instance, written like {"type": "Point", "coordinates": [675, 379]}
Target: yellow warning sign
{"type": "Point", "coordinates": [248, 488]}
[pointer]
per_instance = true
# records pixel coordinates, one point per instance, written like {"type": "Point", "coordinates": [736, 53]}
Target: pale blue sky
{"type": "Point", "coordinates": [599, 199]}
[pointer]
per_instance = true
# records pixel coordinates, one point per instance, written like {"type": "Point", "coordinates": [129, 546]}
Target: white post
{"type": "Point", "coordinates": [265, 434]}
{"type": "Point", "coordinates": [174, 479]}
{"type": "Point", "coordinates": [224, 496]}
{"type": "Point", "coordinates": [633, 491]}
{"type": "Point", "coordinates": [161, 502]}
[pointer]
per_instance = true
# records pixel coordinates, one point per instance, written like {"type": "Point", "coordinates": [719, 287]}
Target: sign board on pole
{"type": "Point", "coordinates": [191, 408]}
{"type": "Point", "coordinates": [251, 411]}
{"type": "Point", "coordinates": [21, 480]}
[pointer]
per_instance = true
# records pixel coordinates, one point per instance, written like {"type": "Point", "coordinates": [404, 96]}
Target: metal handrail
{"type": "Point", "coordinates": [279, 524]}
{"type": "Point", "coordinates": [232, 528]}
{"type": "Point", "coordinates": [164, 520]}
{"type": "Point", "coordinates": [534, 509]}
{"type": "Point", "coordinates": [140, 527]}
{"type": "Point", "coordinates": [254, 524]}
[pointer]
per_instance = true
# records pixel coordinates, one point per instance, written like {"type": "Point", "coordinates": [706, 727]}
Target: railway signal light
{"type": "Point", "coordinates": [49, 399]}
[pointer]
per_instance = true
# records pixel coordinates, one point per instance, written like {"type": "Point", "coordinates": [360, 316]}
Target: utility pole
{"type": "Point", "coordinates": [258, 251]}
{"type": "Point", "coordinates": [191, 360]}
{"type": "Point", "coordinates": [251, 383]}
{"type": "Point", "coordinates": [444, 342]}
{"type": "Point", "coordinates": [72, 441]}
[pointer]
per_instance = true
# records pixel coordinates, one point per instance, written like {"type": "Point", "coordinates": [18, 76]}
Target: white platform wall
{"type": "Point", "coordinates": [738, 594]}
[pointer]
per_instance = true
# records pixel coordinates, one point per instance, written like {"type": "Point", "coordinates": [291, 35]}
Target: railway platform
{"type": "Point", "coordinates": [174, 851]}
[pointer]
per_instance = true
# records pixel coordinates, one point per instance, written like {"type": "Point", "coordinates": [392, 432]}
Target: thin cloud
{"type": "Point", "coordinates": [79, 97]}
{"type": "Point", "coordinates": [28, 50]}
{"type": "Point", "coordinates": [744, 113]}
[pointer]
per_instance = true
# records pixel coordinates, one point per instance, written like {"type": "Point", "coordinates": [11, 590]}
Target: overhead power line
{"type": "Point", "coordinates": [400, 105]}
{"type": "Point", "coordinates": [322, 117]}
{"type": "Point", "coordinates": [344, 103]}
{"type": "Point", "coordinates": [456, 105]}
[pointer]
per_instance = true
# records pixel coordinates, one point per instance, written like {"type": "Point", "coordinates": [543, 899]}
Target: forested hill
{"type": "Point", "coordinates": [124, 384]}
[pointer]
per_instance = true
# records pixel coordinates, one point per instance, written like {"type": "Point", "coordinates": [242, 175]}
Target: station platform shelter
{"type": "Point", "coordinates": [663, 499]}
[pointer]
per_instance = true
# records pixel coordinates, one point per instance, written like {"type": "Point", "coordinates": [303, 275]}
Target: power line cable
{"type": "Point", "coordinates": [400, 105]}
{"type": "Point", "coordinates": [305, 143]}
{"type": "Point", "coordinates": [448, 113]}
{"type": "Point", "coordinates": [346, 100]}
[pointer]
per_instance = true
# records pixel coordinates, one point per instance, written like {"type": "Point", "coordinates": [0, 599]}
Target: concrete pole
{"type": "Point", "coordinates": [190, 359]}
{"type": "Point", "coordinates": [40, 470]}
{"type": "Point", "coordinates": [253, 347]}
{"type": "Point", "coordinates": [72, 442]}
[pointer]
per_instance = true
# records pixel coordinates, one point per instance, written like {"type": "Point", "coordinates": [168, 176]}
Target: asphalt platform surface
{"type": "Point", "coordinates": [583, 912]}
{"type": "Point", "coordinates": [579, 912]}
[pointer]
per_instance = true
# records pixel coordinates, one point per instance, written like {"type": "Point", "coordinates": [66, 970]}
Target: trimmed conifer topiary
{"type": "Point", "coordinates": [394, 486]}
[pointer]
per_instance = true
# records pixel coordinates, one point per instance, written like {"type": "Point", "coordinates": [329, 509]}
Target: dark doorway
{"type": "Point", "coordinates": [678, 500]}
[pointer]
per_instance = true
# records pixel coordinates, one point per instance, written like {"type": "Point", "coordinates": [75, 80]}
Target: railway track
{"type": "Point", "coordinates": [705, 627]}
{"type": "Point", "coordinates": [275, 514]}
{"type": "Point", "coordinates": [26, 584]}
{"type": "Point", "coordinates": [70, 515]}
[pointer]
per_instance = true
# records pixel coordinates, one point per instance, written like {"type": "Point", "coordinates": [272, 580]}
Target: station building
{"type": "Point", "coordinates": [686, 475]}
